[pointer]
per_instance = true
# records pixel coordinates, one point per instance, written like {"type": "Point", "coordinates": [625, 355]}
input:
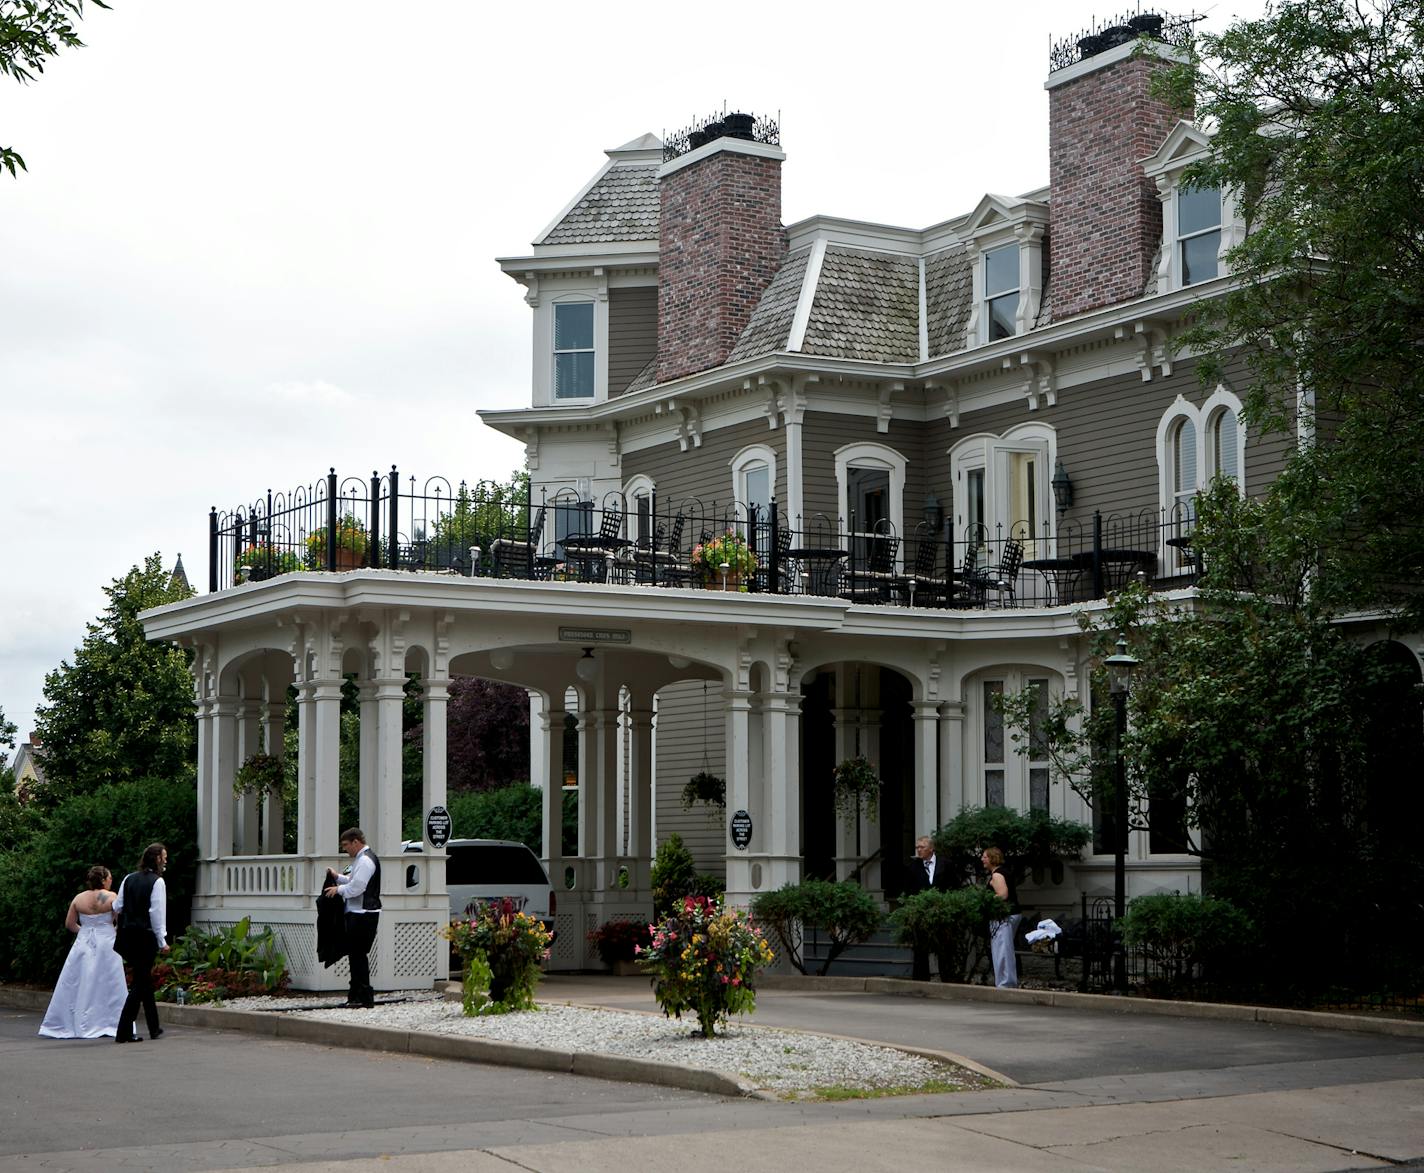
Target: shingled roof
{"type": "Point", "coordinates": [867, 306]}
{"type": "Point", "coordinates": [949, 284]}
{"type": "Point", "coordinates": [770, 324]}
{"type": "Point", "coordinates": [620, 202]}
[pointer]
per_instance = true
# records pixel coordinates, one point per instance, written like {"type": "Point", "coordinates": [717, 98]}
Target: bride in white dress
{"type": "Point", "coordinates": [91, 989]}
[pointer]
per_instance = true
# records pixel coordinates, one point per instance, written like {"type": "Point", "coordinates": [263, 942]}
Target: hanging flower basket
{"type": "Point", "coordinates": [261, 774]}
{"type": "Point", "coordinates": [856, 787]}
{"type": "Point", "coordinates": [705, 787]}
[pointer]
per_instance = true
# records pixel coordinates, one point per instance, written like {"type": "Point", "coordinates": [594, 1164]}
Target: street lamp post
{"type": "Point", "coordinates": [1120, 668]}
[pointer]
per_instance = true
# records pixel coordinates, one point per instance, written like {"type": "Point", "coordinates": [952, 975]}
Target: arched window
{"type": "Point", "coordinates": [754, 478]}
{"type": "Point", "coordinates": [870, 482]}
{"type": "Point", "coordinates": [1184, 476]}
{"type": "Point", "coordinates": [1003, 487]}
{"type": "Point", "coordinates": [638, 493]}
{"type": "Point", "coordinates": [1223, 444]}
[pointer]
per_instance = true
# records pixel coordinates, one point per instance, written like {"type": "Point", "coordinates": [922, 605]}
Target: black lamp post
{"type": "Point", "coordinates": [1120, 668]}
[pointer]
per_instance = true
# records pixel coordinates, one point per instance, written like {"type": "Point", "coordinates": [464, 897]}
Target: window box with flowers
{"type": "Point", "coordinates": [350, 545]}
{"type": "Point", "coordinates": [724, 562]}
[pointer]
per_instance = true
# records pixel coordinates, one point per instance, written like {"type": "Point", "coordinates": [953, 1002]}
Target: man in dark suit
{"type": "Point", "coordinates": [923, 875]}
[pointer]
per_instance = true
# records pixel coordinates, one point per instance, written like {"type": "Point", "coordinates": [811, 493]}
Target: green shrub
{"type": "Point", "coordinates": [1032, 840]}
{"type": "Point", "coordinates": [674, 876]}
{"type": "Point", "coordinates": [844, 911]}
{"type": "Point", "coordinates": [110, 826]}
{"type": "Point", "coordinates": [224, 963]}
{"type": "Point", "coordinates": [953, 925]}
{"type": "Point", "coordinates": [1184, 935]}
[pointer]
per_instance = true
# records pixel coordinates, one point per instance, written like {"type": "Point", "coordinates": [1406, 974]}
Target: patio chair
{"type": "Point", "coordinates": [921, 580]}
{"type": "Point", "coordinates": [872, 582]}
{"type": "Point", "coordinates": [1003, 578]}
{"type": "Point", "coordinates": [514, 557]}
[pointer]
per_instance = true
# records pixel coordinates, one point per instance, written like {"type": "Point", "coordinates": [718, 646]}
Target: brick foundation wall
{"type": "Point", "coordinates": [1105, 217]}
{"type": "Point", "coordinates": [720, 243]}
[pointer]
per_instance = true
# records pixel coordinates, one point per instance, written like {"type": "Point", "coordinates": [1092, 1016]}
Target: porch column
{"type": "Point", "coordinates": [846, 857]}
{"type": "Point", "coordinates": [551, 727]}
{"type": "Point", "coordinates": [319, 767]}
{"type": "Point", "coordinates": [640, 792]}
{"type": "Point", "coordinates": [368, 763]}
{"type": "Point", "coordinates": [249, 729]}
{"type": "Point", "coordinates": [926, 724]}
{"type": "Point", "coordinates": [273, 812]}
{"type": "Point", "coordinates": [224, 767]}
{"type": "Point", "coordinates": [390, 701]}
{"type": "Point", "coordinates": [434, 752]}
{"type": "Point", "coordinates": [951, 759]}
{"type": "Point", "coordinates": [738, 707]}
{"type": "Point", "coordinates": [205, 776]}
{"type": "Point", "coordinates": [587, 786]}
{"type": "Point", "coordinates": [781, 780]}
{"type": "Point", "coordinates": [606, 845]}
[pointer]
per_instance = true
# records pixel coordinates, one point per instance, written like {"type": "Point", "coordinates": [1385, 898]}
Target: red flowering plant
{"type": "Point", "coordinates": [704, 958]}
{"type": "Point", "coordinates": [502, 949]}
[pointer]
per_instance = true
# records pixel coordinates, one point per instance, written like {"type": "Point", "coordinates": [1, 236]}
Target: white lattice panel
{"type": "Point", "coordinates": [567, 950]}
{"type": "Point", "coordinates": [414, 948]}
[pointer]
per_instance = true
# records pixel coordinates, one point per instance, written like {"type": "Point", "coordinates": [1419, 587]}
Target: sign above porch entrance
{"type": "Point", "coordinates": [437, 826]}
{"type": "Point", "coordinates": [596, 635]}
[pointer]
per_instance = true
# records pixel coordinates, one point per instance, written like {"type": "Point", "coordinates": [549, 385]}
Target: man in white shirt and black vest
{"type": "Point", "coordinates": [360, 887]}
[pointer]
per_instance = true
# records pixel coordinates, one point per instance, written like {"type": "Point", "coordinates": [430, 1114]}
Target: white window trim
{"type": "Point", "coordinates": [989, 452]}
{"type": "Point", "coordinates": [1198, 419]}
{"type": "Point", "coordinates": [752, 454]}
{"type": "Point", "coordinates": [1185, 145]}
{"type": "Point", "coordinates": [1015, 765]}
{"type": "Point", "coordinates": [635, 487]}
{"type": "Point", "coordinates": [872, 456]}
{"type": "Point", "coordinates": [993, 223]}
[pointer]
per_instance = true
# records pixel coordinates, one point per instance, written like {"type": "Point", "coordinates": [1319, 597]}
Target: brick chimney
{"type": "Point", "coordinates": [1105, 218]}
{"type": "Point", "coordinates": [720, 243]}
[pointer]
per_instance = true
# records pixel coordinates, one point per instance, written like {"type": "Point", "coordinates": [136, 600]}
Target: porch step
{"type": "Point", "coordinates": [877, 957]}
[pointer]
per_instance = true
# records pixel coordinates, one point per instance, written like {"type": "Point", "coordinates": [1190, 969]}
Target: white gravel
{"type": "Point", "coordinates": [786, 1062]}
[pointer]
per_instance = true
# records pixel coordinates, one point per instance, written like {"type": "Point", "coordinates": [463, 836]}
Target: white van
{"type": "Point", "coordinates": [480, 871]}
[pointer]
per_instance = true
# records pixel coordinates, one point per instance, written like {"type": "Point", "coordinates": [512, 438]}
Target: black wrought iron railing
{"type": "Point", "coordinates": [484, 530]}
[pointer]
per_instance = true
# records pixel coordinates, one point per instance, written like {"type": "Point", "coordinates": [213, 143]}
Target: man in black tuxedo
{"type": "Point", "coordinates": [924, 874]}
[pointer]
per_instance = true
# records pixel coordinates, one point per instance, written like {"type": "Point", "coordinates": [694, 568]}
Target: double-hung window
{"type": "Point", "coordinates": [1198, 233]}
{"type": "Point", "coordinates": [1001, 291]}
{"type": "Point", "coordinates": [573, 350]}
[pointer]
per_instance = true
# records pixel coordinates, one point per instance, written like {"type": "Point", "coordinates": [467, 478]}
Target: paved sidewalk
{"type": "Point", "coordinates": [1097, 1090]}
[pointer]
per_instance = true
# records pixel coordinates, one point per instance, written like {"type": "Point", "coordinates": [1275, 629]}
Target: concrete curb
{"type": "Point", "coordinates": [295, 1028]}
{"type": "Point", "coordinates": [1115, 1003]}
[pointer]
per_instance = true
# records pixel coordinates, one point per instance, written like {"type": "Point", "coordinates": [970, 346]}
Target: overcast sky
{"type": "Point", "coordinates": [256, 240]}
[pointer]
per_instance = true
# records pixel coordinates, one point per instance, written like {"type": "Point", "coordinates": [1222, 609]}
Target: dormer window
{"type": "Point", "coordinates": [1001, 291]}
{"type": "Point", "coordinates": [573, 350]}
{"type": "Point", "coordinates": [1198, 233]}
{"type": "Point", "coordinates": [1004, 239]}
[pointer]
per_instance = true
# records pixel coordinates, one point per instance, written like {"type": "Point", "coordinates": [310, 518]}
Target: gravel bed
{"type": "Point", "coordinates": [785, 1062]}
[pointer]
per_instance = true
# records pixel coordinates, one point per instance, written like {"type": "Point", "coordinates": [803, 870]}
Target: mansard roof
{"type": "Point", "coordinates": [866, 306]}
{"type": "Point", "coordinates": [620, 203]}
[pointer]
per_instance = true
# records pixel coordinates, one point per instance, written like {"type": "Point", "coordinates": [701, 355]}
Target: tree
{"type": "Point", "coordinates": [32, 31]}
{"type": "Point", "coordinates": [124, 708]}
{"type": "Point", "coordinates": [7, 731]}
{"type": "Point", "coordinates": [1252, 741]}
{"type": "Point", "coordinates": [1319, 115]}
{"type": "Point", "coordinates": [487, 735]}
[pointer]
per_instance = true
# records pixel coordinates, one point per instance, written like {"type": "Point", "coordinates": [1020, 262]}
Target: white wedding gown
{"type": "Point", "coordinates": [91, 989]}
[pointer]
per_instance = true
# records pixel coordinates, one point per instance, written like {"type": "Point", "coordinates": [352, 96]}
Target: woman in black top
{"type": "Point", "coordinates": [1001, 932]}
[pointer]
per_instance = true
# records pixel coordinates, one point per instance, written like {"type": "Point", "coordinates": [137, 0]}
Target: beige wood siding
{"type": "Point", "coordinates": [632, 335]}
{"type": "Point", "coordinates": [705, 473]}
{"type": "Point", "coordinates": [679, 748]}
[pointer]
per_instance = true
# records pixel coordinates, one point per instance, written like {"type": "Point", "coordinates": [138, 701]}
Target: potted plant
{"type": "Point", "coordinates": [502, 948]}
{"type": "Point", "coordinates": [724, 560]}
{"type": "Point", "coordinates": [619, 942]}
{"type": "Point", "coordinates": [350, 545]}
{"type": "Point", "coordinates": [856, 785]}
{"type": "Point", "coordinates": [261, 774]}
{"type": "Point", "coordinates": [263, 561]}
{"type": "Point", "coordinates": [705, 787]}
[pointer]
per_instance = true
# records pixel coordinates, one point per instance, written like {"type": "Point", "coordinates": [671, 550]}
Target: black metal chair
{"type": "Point", "coordinates": [924, 581]}
{"type": "Point", "coordinates": [514, 557]}
{"type": "Point", "coordinates": [1003, 578]}
{"type": "Point", "coordinates": [873, 581]}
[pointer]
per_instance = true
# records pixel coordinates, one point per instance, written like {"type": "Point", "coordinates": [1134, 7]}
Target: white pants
{"type": "Point", "coordinates": [1001, 948]}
